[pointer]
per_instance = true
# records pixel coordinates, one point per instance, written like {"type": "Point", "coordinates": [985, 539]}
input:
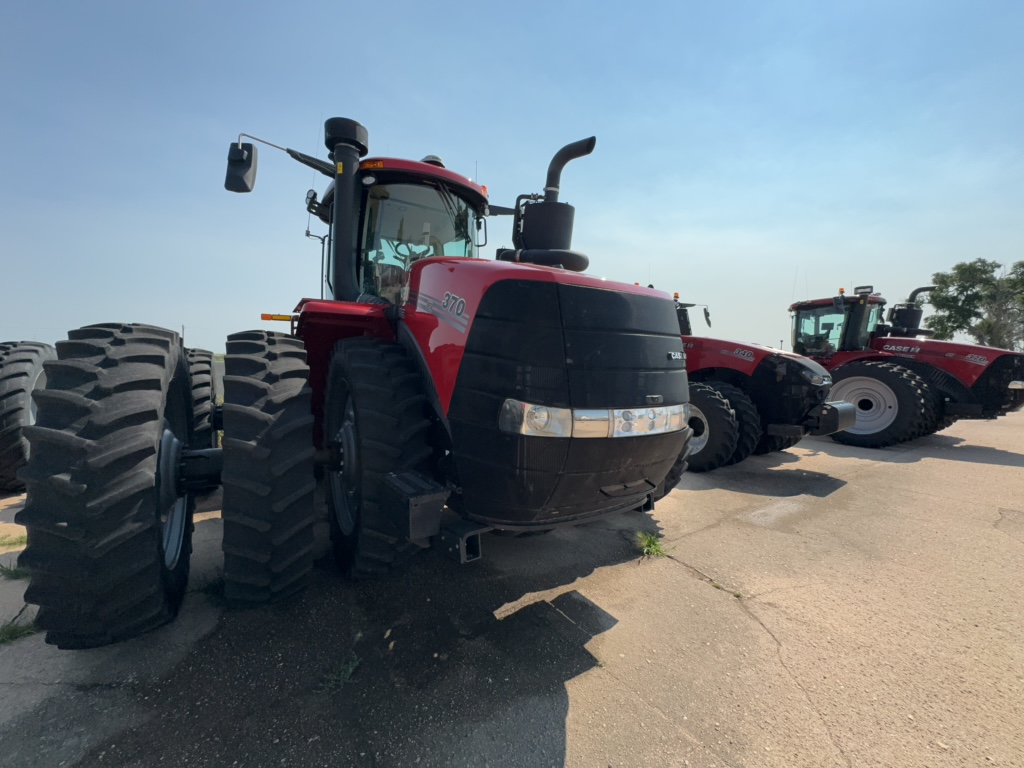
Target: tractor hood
{"type": "Point", "coordinates": [703, 352]}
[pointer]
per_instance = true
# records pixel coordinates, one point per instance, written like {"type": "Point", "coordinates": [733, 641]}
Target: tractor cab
{"type": "Point", "coordinates": [824, 326]}
{"type": "Point", "coordinates": [408, 211]}
{"type": "Point", "coordinates": [383, 214]}
{"type": "Point", "coordinates": [842, 324]}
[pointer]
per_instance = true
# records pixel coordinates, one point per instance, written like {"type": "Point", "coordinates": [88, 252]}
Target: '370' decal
{"type": "Point", "coordinates": [450, 310]}
{"type": "Point", "coordinates": [453, 304]}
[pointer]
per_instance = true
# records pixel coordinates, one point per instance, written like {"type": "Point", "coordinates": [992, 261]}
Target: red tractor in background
{"type": "Point", "coordinates": [748, 398]}
{"type": "Point", "coordinates": [902, 385]}
{"type": "Point", "coordinates": [516, 394]}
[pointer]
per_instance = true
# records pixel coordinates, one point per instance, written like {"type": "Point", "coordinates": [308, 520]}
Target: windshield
{"type": "Point", "coordinates": [403, 223]}
{"type": "Point", "coordinates": [817, 330]}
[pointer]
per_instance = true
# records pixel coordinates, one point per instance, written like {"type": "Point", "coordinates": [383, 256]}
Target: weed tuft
{"type": "Point", "coordinates": [14, 572]}
{"type": "Point", "coordinates": [11, 632]}
{"type": "Point", "coordinates": [650, 544]}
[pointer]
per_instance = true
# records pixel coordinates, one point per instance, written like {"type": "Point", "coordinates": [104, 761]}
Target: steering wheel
{"type": "Point", "coordinates": [405, 250]}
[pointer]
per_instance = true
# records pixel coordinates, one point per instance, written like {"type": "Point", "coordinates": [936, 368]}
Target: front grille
{"type": "Point", "coordinates": [566, 346]}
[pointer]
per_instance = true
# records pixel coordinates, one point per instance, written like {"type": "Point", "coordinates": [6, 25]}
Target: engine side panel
{"type": "Point", "coordinates": [965, 362]}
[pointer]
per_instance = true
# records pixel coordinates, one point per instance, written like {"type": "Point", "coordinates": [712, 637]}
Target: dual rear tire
{"type": "Point", "coordinates": [893, 403]}
{"type": "Point", "coordinates": [109, 533]}
{"type": "Point", "coordinates": [725, 423]}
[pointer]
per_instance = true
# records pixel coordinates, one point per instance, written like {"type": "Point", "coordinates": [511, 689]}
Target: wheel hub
{"type": "Point", "coordinates": [699, 424]}
{"type": "Point", "coordinates": [345, 472]}
{"type": "Point", "coordinates": [877, 406]}
{"type": "Point", "coordinates": [171, 504]}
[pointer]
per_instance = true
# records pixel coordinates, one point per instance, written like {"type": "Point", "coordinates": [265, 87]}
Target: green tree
{"type": "Point", "coordinates": [981, 299]}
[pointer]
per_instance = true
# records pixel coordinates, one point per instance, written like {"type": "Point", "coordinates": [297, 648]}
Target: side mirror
{"type": "Point", "coordinates": [241, 175]}
{"type": "Point", "coordinates": [707, 316]}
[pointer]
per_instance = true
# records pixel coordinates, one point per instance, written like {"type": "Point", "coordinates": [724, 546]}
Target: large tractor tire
{"type": "Point", "coordinates": [715, 429]}
{"type": "Point", "coordinates": [747, 419]}
{"type": "Point", "coordinates": [890, 400]}
{"type": "Point", "coordinates": [375, 422]}
{"type": "Point", "coordinates": [21, 372]}
{"type": "Point", "coordinates": [205, 394]}
{"type": "Point", "coordinates": [935, 418]}
{"type": "Point", "coordinates": [268, 479]}
{"type": "Point", "coordinates": [109, 536]}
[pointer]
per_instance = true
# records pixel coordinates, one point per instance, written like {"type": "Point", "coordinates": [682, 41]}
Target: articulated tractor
{"type": "Point", "coordinates": [433, 395]}
{"type": "Point", "coordinates": [903, 384]}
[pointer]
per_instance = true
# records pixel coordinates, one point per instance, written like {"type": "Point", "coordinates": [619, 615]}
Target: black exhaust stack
{"type": "Point", "coordinates": [347, 141]}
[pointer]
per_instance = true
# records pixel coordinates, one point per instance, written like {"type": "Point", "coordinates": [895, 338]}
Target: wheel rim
{"type": "Point", "coordinates": [345, 477]}
{"type": "Point", "coordinates": [33, 410]}
{"type": "Point", "coordinates": [172, 507]}
{"type": "Point", "coordinates": [877, 406]}
{"type": "Point", "coordinates": [699, 424]}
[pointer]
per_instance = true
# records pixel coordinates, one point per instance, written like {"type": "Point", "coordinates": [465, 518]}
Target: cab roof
{"type": "Point", "coordinates": [873, 298]}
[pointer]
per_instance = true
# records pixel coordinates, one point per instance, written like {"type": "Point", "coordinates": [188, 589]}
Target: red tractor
{"type": "Point", "coordinates": [903, 386]}
{"type": "Point", "coordinates": [748, 398]}
{"type": "Point", "coordinates": [516, 394]}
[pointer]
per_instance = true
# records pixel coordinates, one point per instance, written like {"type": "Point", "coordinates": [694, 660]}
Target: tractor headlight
{"type": "Point", "coordinates": [816, 379]}
{"type": "Point", "coordinates": [540, 420]}
{"type": "Point", "coordinates": [522, 418]}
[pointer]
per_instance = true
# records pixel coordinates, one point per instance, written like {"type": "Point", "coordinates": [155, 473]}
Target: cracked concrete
{"type": "Point", "coordinates": [879, 624]}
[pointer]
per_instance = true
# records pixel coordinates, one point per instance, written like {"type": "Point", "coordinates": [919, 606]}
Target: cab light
{"type": "Point", "coordinates": [285, 318]}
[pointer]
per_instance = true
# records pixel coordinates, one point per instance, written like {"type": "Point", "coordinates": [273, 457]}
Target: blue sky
{"type": "Point", "coordinates": [748, 154]}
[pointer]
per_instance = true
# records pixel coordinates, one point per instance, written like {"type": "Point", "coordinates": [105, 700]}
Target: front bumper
{"type": "Point", "coordinates": [824, 419]}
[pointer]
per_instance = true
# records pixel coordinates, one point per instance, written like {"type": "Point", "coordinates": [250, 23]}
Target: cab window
{"type": "Point", "coordinates": [817, 330]}
{"type": "Point", "coordinates": [403, 223]}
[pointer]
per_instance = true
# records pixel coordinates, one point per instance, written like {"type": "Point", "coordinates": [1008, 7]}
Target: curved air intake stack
{"type": "Point", "coordinates": [905, 319]}
{"type": "Point", "coordinates": [547, 225]}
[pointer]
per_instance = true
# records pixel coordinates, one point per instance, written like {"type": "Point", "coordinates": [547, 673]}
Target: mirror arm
{"type": "Point", "coordinates": [319, 165]}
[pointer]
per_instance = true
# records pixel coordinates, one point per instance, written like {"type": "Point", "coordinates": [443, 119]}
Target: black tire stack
{"type": "Point", "coordinates": [205, 393]}
{"type": "Point", "coordinates": [21, 372]}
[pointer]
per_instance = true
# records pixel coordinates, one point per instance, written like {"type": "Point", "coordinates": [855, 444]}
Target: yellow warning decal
{"type": "Point", "coordinates": [341, 168]}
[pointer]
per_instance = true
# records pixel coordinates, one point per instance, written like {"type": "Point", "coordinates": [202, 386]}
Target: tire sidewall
{"type": "Point", "coordinates": [338, 394]}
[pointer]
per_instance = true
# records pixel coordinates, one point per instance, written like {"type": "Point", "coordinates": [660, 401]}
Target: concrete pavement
{"type": "Point", "coordinates": [823, 606]}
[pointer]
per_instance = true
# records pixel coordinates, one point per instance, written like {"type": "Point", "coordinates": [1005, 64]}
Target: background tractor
{"type": "Point", "coordinates": [748, 398]}
{"type": "Point", "coordinates": [517, 394]}
{"type": "Point", "coordinates": [904, 386]}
